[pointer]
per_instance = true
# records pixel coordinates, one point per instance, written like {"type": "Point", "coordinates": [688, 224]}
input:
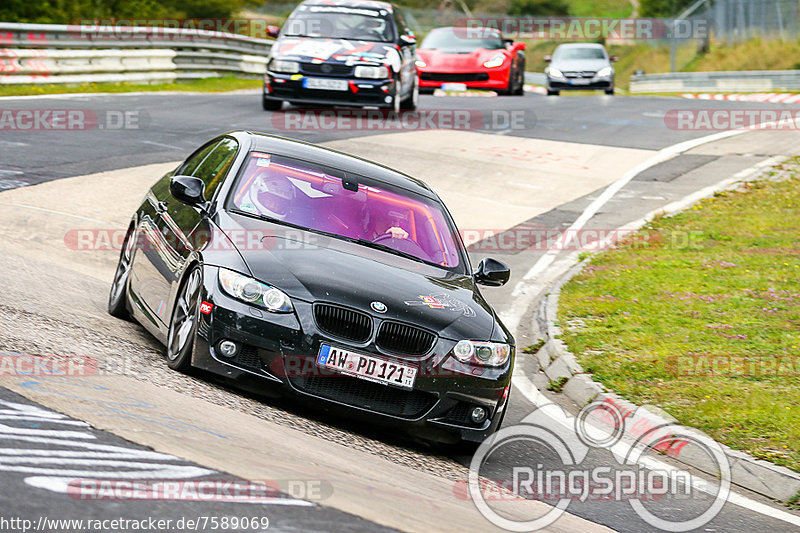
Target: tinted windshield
{"type": "Point", "coordinates": [297, 193]}
{"type": "Point", "coordinates": [340, 22]}
{"type": "Point", "coordinates": [462, 40]}
{"type": "Point", "coordinates": [579, 53]}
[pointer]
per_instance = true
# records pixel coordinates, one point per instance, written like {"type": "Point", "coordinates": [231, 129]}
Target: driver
{"type": "Point", "coordinates": [389, 223]}
{"type": "Point", "coordinates": [273, 195]}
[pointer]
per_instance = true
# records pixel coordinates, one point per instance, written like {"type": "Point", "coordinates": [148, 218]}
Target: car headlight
{"type": "Point", "coordinates": [287, 67]}
{"type": "Point", "coordinates": [605, 71]}
{"type": "Point", "coordinates": [554, 72]}
{"type": "Point", "coordinates": [420, 63]}
{"type": "Point", "coordinates": [496, 61]}
{"type": "Point", "coordinates": [482, 353]}
{"type": "Point", "coordinates": [251, 291]}
{"type": "Point", "coordinates": [373, 73]}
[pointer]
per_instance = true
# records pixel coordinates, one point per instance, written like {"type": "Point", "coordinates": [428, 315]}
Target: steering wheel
{"type": "Point", "coordinates": [408, 245]}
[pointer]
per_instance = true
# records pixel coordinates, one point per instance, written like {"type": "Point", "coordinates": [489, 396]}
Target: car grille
{"type": "Point", "coordinates": [459, 414]}
{"type": "Point", "coordinates": [326, 69]}
{"type": "Point", "coordinates": [367, 395]}
{"type": "Point", "coordinates": [454, 77]}
{"type": "Point", "coordinates": [580, 74]}
{"type": "Point", "coordinates": [247, 358]}
{"type": "Point", "coordinates": [343, 323]}
{"type": "Point", "coordinates": [402, 339]}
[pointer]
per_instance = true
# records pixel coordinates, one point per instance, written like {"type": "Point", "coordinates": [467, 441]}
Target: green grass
{"type": "Point", "coordinates": [696, 314]}
{"type": "Point", "coordinates": [221, 84]}
{"type": "Point", "coordinates": [600, 8]}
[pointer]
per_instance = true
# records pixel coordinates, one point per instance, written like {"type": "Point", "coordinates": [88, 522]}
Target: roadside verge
{"type": "Point", "coordinates": [566, 375]}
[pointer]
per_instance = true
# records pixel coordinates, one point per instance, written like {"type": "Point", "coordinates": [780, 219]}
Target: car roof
{"type": "Point", "coordinates": [313, 153]}
{"type": "Point", "coordinates": [374, 4]}
{"type": "Point", "coordinates": [581, 45]}
{"type": "Point", "coordinates": [463, 28]}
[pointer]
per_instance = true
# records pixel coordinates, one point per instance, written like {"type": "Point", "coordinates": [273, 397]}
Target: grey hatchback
{"type": "Point", "coordinates": [580, 66]}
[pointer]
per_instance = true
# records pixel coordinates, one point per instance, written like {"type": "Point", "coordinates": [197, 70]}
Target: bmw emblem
{"type": "Point", "coordinates": [379, 307]}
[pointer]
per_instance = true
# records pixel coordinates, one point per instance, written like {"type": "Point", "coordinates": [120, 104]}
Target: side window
{"type": "Point", "coordinates": [216, 165]}
{"type": "Point", "coordinates": [194, 161]}
{"type": "Point", "coordinates": [399, 21]}
{"type": "Point", "coordinates": [211, 164]}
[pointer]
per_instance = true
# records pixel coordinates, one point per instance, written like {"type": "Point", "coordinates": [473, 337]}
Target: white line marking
{"type": "Point", "coordinates": [55, 212]}
{"type": "Point", "coordinates": [163, 144]}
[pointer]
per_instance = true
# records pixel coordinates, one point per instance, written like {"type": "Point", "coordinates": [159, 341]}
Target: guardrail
{"type": "Point", "coordinates": [737, 81]}
{"type": "Point", "coordinates": [49, 53]}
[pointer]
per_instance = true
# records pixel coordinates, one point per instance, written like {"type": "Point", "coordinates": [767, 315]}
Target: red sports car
{"type": "Point", "coordinates": [478, 58]}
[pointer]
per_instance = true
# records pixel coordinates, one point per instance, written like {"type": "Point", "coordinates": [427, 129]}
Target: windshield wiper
{"type": "Point", "coordinates": [384, 248]}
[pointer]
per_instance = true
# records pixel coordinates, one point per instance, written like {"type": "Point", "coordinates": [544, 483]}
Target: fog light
{"type": "Point", "coordinates": [228, 348]}
{"type": "Point", "coordinates": [477, 415]}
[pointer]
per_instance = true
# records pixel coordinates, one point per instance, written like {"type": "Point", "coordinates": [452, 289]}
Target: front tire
{"type": "Point", "coordinates": [551, 92]}
{"type": "Point", "coordinates": [520, 90]}
{"type": "Point", "coordinates": [118, 295]}
{"type": "Point", "coordinates": [267, 104]}
{"type": "Point", "coordinates": [610, 91]}
{"type": "Point", "coordinates": [411, 103]}
{"type": "Point", "coordinates": [183, 326]}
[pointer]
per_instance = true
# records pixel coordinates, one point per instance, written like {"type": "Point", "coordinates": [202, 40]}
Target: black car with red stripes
{"type": "Point", "coordinates": [345, 52]}
{"type": "Point", "coordinates": [291, 268]}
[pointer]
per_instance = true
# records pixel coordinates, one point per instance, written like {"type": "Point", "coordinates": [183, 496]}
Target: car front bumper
{"type": "Point", "coordinates": [580, 84]}
{"type": "Point", "coordinates": [278, 353]}
{"type": "Point", "coordinates": [361, 92]}
{"type": "Point", "coordinates": [488, 79]}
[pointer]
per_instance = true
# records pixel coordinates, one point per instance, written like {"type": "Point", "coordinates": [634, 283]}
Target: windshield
{"type": "Point", "coordinates": [340, 22]}
{"type": "Point", "coordinates": [579, 53]}
{"type": "Point", "coordinates": [461, 40]}
{"type": "Point", "coordinates": [295, 192]}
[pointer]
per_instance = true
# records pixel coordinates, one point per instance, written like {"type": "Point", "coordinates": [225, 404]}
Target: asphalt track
{"type": "Point", "coordinates": [546, 171]}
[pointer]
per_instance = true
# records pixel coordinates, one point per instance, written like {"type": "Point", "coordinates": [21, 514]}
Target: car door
{"type": "Point", "coordinates": [168, 226]}
{"type": "Point", "coordinates": [407, 43]}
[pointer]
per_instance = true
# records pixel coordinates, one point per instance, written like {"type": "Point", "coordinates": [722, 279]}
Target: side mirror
{"type": "Point", "coordinates": [613, 58]}
{"type": "Point", "coordinates": [548, 58]}
{"type": "Point", "coordinates": [188, 190]}
{"type": "Point", "coordinates": [273, 31]}
{"type": "Point", "coordinates": [408, 39]}
{"type": "Point", "coordinates": [492, 273]}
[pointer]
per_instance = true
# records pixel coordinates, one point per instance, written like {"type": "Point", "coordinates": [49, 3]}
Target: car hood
{"type": "Point", "coordinates": [580, 64]}
{"type": "Point", "coordinates": [336, 51]}
{"type": "Point", "coordinates": [314, 267]}
{"type": "Point", "coordinates": [438, 60]}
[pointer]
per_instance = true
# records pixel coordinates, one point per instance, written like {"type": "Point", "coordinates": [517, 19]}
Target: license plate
{"type": "Point", "coordinates": [325, 83]}
{"type": "Point", "coordinates": [367, 367]}
{"type": "Point", "coordinates": [580, 81]}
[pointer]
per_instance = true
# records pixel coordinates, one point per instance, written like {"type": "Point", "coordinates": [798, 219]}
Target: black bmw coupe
{"type": "Point", "coordinates": [292, 267]}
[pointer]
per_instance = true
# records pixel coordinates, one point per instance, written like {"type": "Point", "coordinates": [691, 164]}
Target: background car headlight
{"type": "Point", "coordinates": [554, 72]}
{"type": "Point", "coordinates": [287, 67]}
{"type": "Point", "coordinates": [373, 73]}
{"type": "Point", "coordinates": [420, 63]}
{"type": "Point", "coordinates": [482, 353]}
{"type": "Point", "coordinates": [496, 61]}
{"type": "Point", "coordinates": [605, 71]}
{"type": "Point", "coordinates": [251, 291]}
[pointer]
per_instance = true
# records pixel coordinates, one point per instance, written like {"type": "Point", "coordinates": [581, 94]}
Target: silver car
{"type": "Point", "coordinates": [580, 66]}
